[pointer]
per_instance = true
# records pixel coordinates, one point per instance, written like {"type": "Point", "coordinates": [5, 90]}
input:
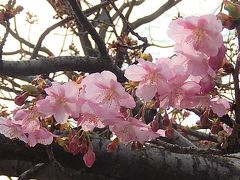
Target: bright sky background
{"type": "Point", "coordinates": [156, 29]}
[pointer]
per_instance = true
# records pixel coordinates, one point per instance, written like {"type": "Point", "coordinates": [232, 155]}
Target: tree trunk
{"type": "Point", "coordinates": [124, 164]}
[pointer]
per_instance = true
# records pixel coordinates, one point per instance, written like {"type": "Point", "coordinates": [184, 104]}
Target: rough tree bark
{"type": "Point", "coordinates": [149, 163]}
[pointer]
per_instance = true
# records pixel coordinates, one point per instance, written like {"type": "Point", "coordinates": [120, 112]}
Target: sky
{"type": "Point", "coordinates": [156, 29]}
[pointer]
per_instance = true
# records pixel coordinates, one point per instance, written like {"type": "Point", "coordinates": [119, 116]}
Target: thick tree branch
{"type": "Point", "coordinates": [149, 163]}
{"type": "Point", "coordinates": [146, 19]}
{"type": "Point", "coordinates": [54, 64]}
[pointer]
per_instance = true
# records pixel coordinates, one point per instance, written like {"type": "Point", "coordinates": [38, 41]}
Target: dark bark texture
{"type": "Point", "coordinates": [124, 164]}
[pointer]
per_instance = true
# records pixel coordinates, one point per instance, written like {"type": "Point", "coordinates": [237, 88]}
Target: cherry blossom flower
{"type": "Point", "coordinates": [88, 118]}
{"type": "Point", "coordinates": [131, 129]}
{"type": "Point", "coordinates": [219, 105]}
{"type": "Point", "coordinates": [207, 84]}
{"type": "Point", "coordinates": [12, 130]}
{"type": "Point", "coordinates": [61, 102]}
{"type": "Point", "coordinates": [181, 96]}
{"type": "Point", "coordinates": [150, 76]}
{"type": "Point", "coordinates": [202, 34]}
{"type": "Point", "coordinates": [28, 119]}
{"type": "Point", "coordinates": [41, 136]}
{"type": "Point", "coordinates": [103, 88]}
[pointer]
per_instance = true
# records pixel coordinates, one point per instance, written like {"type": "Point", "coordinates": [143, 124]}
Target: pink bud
{"type": "Point", "coordinates": [83, 147]}
{"type": "Point", "coordinates": [154, 125]}
{"type": "Point", "coordinates": [74, 147]}
{"type": "Point", "coordinates": [89, 157]}
{"type": "Point", "coordinates": [21, 98]}
{"type": "Point", "coordinates": [215, 128]}
{"type": "Point", "coordinates": [169, 133]}
{"type": "Point", "coordinates": [111, 147]}
{"type": "Point", "coordinates": [166, 121]}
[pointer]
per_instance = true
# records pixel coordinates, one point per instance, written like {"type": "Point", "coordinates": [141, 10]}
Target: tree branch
{"type": "Point", "coordinates": [198, 134]}
{"type": "Point", "coordinates": [237, 89]}
{"type": "Point", "coordinates": [29, 173]}
{"type": "Point", "coordinates": [169, 4]}
{"type": "Point", "coordinates": [180, 140]}
{"type": "Point", "coordinates": [4, 39]}
{"type": "Point", "coordinates": [82, 20]}
{"type": "Point", "coordinates": [53, 64]}
{"type": "Point", "coordinates": [149, 163]}
{"type": "Point", "coordinates": [45, 33]}
{"type": "Point", "coordinates": [125, 5]}
{"type": "Point", "coordinates": [20, 39]}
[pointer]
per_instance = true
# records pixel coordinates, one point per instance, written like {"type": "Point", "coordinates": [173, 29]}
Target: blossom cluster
{"type": "Point", "coordinates": [98, 100]}
{"type": "Point", "coordinates": [187, 79]}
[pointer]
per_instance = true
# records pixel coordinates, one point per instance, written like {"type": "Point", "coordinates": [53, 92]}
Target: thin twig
{"type": "Point", "coordinates": [45, 33]}
{"type": "Point", "coordinates": [4, 38]}
{"type": "Point", "coordinates": [198, 134]}
{"type": "Point", "coordinates": [146, 19]}
{"type": "Point", "coordinates": [130, 29]}
{"type": "Point", "coordinates": [22, 40]}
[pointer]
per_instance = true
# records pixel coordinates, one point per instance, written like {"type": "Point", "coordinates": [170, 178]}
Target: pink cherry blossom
{"type": "Point", "coordinates": [195, 67]}
{"type": "Point", "coordinates": [131, 129]}
{"type": "Point", "coordinates": [89, 157]}
{"type": "Point", "coordinates": [150, 76]}
{"type": "Point", "coordinates": [41, 136]}
{"type": "Point", "coordinates": [28, 119]}
{"type": "Point", "coordinates": [183, 95]}
{"type": "Point", "coordinates": [216, 62]}
{"type": "Point", "coordinates": [88, 118]}
{"type": "Point", "coordinates": [207, 84]}
{"type": "Point", "coordinates": [61, 102]}
{"type": "Point", "coordinates": [219, 105]}
{"type": "Point", "coordinates": [103, 88]}
{"type": "Point", "coordinates": [12, 130]}
{"type": "Point", "coordinates": [201, 34]}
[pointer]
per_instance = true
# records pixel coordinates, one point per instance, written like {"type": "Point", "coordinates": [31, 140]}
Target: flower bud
{"type": "Point", "coordinates": [111, 147]}
{"type": "Point", "coordinates": [154, 125]}
{"type": "Point", "coordinates": [20, 99]}
{"type": "Point", "coordinates": [169, 133]}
